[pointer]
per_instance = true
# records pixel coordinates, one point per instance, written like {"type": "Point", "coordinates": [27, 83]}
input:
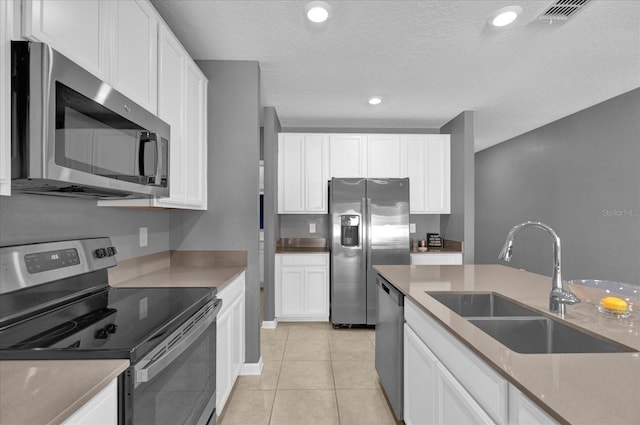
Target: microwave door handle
{"type": "Point", "coordinates": [149, 368]}
{"type": "Point", "coordinates": [144, 138]}
{"type": "Point", "coordinates": [159, 159]}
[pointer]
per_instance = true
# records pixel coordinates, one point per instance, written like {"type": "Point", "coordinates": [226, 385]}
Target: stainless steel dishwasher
{"type": "Point", "coordinates": [389, 348]}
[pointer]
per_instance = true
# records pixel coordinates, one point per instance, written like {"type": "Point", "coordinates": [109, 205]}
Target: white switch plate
{"type": "Point", "coordinates": [312, 227]}
{"type": "Point", "coordinates": [412, 227]}
{"type": "Point", "coordinates": [144, 236]}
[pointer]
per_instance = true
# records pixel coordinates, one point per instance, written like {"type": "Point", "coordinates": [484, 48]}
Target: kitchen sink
{"type": "Point", "coordinates": [522, 329]}
{"type": "Point", "coordinates": [540, 335]}
{"type": "Point", "coordinates": [481, 304]}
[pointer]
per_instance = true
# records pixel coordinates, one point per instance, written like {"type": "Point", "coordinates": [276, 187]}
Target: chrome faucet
{"type": "Point", "coordinates": [559, 297]}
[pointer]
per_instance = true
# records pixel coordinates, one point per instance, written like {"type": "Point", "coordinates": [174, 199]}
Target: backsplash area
{"type": "Point", "coordinates": [297, 225]}
{"type": "Point", "coordinates": [37, 218]}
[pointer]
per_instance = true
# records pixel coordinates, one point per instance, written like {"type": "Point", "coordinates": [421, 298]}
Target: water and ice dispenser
{"type": "Point", "coordinates": [350, 230]}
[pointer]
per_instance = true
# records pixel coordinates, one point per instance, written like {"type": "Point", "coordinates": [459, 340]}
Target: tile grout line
{"type": "Point", "coordinates": [275, 394]}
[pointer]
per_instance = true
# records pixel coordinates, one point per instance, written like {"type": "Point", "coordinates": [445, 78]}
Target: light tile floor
{"type": "Point", "coordinates": [313, 375]}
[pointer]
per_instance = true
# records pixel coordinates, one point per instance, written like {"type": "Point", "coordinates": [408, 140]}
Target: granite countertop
{"type": "Point", "coordinates": [574, 388]}
{"type": "Point", "coordinates": [49, 391]}
{"type": "Point", "coordinates": [301, 246]}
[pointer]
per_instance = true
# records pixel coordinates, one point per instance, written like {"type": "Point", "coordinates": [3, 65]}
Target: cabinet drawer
{"type": "Point", "coordinates": [486, 386]}
{"type": "Point", "coordinates": [304, 259]}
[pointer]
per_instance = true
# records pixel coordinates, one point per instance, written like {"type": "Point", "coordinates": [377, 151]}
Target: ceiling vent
{"type": "Point", "coordinates": [561, 11]}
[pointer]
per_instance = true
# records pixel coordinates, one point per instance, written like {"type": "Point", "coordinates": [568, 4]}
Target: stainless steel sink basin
{"type": "Point", "coordinates": [539, 335]}
{"type": "Point", "coordinates": [522, 329]}
{"type": "Point", "coordinates": [481, 304]}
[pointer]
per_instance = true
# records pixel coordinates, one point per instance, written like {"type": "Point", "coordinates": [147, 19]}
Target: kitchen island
{"type": "Point", "coordinates": [571, 388]}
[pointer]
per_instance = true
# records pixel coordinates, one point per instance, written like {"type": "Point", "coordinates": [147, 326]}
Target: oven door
{"type": "Point", "coordinates": [176, 382]}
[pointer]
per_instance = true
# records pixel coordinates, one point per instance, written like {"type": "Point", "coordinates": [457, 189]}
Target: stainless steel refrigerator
{"type": "Point", "coordinates": [370, 220]}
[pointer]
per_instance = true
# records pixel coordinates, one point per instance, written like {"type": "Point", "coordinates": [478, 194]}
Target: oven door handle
{"type": "Point", "coordinates": [176, 343]}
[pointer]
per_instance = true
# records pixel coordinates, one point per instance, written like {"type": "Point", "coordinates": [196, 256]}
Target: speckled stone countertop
{"type": "Point", "coordinates": [301, 246]}
{"type": "Point", "coordinates": [574, 388]}
{"type": "Point", "coordinates": [49, 391]}
{"type": "Point", "coordinates": [212, 269]}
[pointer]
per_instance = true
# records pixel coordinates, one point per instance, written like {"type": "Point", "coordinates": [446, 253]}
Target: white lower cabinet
{"type": "Point", "coordinates": [102, 409]}
{"type": "Point", "coordinates": [437, 258]}
{"type": "Point", "coordinates": [302, 287]}
{"type": "Point", "coordinates": [230, 330]}
{"type": "Point", "coordinates": [446, 383]}
{"type": "Point", "coordinates": [523, 411]}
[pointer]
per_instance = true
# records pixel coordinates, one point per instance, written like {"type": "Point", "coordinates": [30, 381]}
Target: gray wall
{"type": "Point", "coordinates": [459, 225]}
{"type": "Point", "coordinates": [38, 218]}
{"type": "Point", "coordinates": [270, 214]}
{"type": "Point", "coordinates": [231, 221]}
{"type": "Point", "coordinates": [580, 175]}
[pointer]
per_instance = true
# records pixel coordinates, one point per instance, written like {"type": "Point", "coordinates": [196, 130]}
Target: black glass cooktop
{"type": "Point", "coordinates": [114, 323]}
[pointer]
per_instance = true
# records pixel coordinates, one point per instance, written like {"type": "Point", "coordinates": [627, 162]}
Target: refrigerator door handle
{"type": "Point", "coordinates": [364, 231]}
{"type": "Point", "coordinates": [369, 231]}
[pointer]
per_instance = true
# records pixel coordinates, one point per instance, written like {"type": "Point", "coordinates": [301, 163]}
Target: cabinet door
{"type": "Point", "coordinates": [454, 405]}
{"type": "Point", "coordinates": [290, 173]}
{"type": "Point", "coordinates": [315, 174]}
{"type": "Point", "coordinates": [316, 285]}
{"type": "Point", "coordinates": [224, 339]}
{"type": "Point", "coordinates": [171, 77]}
{"type": "Point", "coordinates": [523, 411]}
{"type": "Point", "coordinates": [6, 12]}
{"type": "Point", "coordinates": [77, 29]}
{"type": "Point", "coordinates": [419, 381]}
{"type": "Point", "coordinates": [292, 283]}
{"type": "Point", "coordinates": [429, 171]}
{"type": "Point", "coordinates": [102, 409]}
{"type": "Point", "coordinates": [237, 351]}
{"type": "Point", "coordinates": [385, 156]}
{"type": "Point", "coordinates": [348, 154]}
{"type": "Point", "coordinates": [134, 62]}
{"type": "Point", "coordinates": [195, 137]}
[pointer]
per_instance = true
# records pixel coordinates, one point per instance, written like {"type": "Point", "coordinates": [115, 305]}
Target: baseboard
{"type": "Point", "coordinates": [252, 368]}
{"type": "Point", "coordinates": [304, 319]}
{"type": "Point", "coordinates": [270, 324]}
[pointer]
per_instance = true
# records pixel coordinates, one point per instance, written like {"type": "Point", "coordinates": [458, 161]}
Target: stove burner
{"type": "Point", "coordinates": [57, 333]}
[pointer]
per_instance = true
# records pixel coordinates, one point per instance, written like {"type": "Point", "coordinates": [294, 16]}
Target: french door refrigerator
{"type": "Point", "coordinates": [370, 226]}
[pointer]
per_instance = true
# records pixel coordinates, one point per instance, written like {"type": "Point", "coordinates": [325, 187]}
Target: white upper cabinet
{"type": "Point", "coordinates": [195, 137]}
{"type": "Point", "coordinates": [134, 57]}
{"type": "Point", "coordinates": [5, 98]}
{"type": "Point", "coordinates": [385, 156]}
{"type": "Point", "coordinates": [79, 30]}
{"type": "Point", "coordinates": [302, 173]}
{"type": "Point", "coordinates": [428, 159]}
{"type": "Point", "coordinates": [348, 155]}
{"type": "Point", "coordinates": [424, 158]}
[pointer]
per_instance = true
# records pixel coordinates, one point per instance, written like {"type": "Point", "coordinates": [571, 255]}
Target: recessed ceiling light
{"type": "Point", "coordinates": [505, 16]}
{"type": "Point", "coordinates": [375, 100]}
{"type": "Point", "coordinates": [317, 11]}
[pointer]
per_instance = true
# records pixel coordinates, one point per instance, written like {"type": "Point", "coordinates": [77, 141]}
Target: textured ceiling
{"type": "Point", "coordinates": [429, 60]}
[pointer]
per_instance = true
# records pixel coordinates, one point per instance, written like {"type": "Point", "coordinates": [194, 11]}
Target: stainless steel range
{"type": "Point", "coordinates": [56, 303]}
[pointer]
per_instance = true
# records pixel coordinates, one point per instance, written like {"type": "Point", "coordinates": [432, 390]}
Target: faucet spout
{"type": "Point", "coordinates": [558, 297]}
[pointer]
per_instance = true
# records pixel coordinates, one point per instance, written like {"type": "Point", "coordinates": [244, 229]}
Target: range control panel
{"type": "Point", "coordinates": [51, 260]}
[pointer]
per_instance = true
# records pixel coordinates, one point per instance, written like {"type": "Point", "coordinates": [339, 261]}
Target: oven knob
{"type": "Point", "coordinates": [100, 252]}
{"type": "Point", "coordinates": [111, 251]}
{"type": "Point", "coordinates": [111, 328]}
{"type": "Point", "coordinates": [102, 334]}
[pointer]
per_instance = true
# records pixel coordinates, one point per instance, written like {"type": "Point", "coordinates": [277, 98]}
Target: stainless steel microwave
{"type": "Point", "coordinates": [74, 135]}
